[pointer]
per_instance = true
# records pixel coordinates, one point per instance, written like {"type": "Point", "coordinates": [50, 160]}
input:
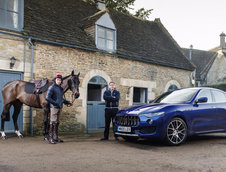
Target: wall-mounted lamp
{"type": "Point", "coordinates": [12, 62]}
{"type": "Point", "coordinates": [128, 91]}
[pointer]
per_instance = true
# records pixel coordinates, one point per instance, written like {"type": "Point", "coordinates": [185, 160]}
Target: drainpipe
{"type": "Point", "coordinates": [31, 116]}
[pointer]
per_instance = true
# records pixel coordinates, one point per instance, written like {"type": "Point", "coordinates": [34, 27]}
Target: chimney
{"type": "Point", "coordinates": [190, 52]}
{"type": "Point", "coordinates": [222, 40]}
{"type": "Point", "coordinates": [101, 4]}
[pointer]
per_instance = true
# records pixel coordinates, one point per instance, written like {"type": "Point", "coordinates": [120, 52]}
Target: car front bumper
{"type": "Point", "coordinates": [147, 128]}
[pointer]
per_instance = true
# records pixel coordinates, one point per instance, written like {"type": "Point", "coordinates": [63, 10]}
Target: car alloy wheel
{"type": "Point", "coordinates": [176, 131]}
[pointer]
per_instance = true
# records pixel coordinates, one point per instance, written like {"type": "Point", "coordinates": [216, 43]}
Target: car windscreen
{"type": "Point", "coordinates": [162, 96]}
{"type": "Point", "coordinates": [179, 96]}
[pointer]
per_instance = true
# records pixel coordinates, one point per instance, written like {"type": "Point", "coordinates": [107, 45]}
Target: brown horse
{"type": "Point", "coordinates": [13, 93]}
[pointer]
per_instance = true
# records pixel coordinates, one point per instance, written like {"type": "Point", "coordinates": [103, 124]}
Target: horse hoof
{"type": "Point", "coordinates": [3, 137]}
{"type": "Point", "coordinates": [20, 136]}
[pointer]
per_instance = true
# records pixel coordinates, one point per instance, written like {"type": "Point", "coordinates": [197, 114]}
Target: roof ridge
{"type": "Point", "coordinates": [161, 26]}
{"type": "Point", "coordinates": [96, 14]}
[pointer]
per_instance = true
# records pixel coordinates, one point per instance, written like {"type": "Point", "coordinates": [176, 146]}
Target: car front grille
{"type": "Point", "coordinates": [127, 120]}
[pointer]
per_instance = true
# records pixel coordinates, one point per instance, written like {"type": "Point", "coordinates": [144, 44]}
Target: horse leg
{"type": "Point", "coordinates": [46, 124]}
{"type": "Point", "coordinates": [17, 107]}
{"type": "Point", "coordinates": [4, 117]}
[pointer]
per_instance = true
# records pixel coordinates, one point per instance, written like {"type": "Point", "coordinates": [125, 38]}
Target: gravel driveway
{"type": "Point", "coordinates": [88, 154]}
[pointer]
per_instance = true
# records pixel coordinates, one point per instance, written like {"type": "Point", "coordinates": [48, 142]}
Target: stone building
{"type": "Point", "coordinates": [48, 37]}
{"type": "Point", "coordinates": [210, 65]}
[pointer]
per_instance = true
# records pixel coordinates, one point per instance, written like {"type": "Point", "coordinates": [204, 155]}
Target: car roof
{"type": "Point", "coordinates": [203, 88]}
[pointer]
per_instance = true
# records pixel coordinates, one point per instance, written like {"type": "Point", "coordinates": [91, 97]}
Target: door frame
{"type": "Point", "coordinates": [20, 117]}
{"type": "Point", "coordinates": [96, 82]}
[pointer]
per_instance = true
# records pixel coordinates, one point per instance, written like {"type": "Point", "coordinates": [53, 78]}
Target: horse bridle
{"type": "Point", "coordinates": [72, 94]}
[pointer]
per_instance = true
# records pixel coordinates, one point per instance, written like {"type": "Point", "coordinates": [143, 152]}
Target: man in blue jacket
{"type": "Point", "coordinates": [111, 98]}
{"type": "Point", "coordinates": [55, 97]}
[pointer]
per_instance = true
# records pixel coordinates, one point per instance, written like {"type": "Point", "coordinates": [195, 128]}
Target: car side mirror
{"type": "Point", "coordinates": [201, 100]}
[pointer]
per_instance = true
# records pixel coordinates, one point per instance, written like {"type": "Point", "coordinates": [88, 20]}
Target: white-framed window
{"type": "Point", "coordinates": [172, 87]}
{"type": "Point", "coordinates": [139, 95]}
{"type": "Point", "coordinates": [12, 14]}
{"type": "Point", "coordinates": [105, 38]}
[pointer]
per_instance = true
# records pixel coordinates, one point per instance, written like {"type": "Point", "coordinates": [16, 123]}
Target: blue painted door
{"type": "Point", "coordinates": [6, 76]}
{"type": "Point", "coordinates": [95, 117]}
{"type": "Point", "coordinates": [96, 104]}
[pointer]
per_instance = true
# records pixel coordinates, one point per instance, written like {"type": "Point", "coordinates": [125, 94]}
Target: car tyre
{"type": "Point", "coordinates": [176, 132]}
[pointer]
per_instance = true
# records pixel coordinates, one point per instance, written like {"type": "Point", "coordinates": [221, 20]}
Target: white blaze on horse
{"type": "Point", "coordinates": [16, 93]}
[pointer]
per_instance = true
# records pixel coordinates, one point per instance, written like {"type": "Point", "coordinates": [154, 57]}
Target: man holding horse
{"type": "Point", "coordinates": [55, 97]}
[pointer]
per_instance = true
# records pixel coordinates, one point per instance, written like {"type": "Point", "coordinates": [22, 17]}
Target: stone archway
{"type": "Point", "coordinates": [171, 85]}
{"type": "Point", "coordinates": [83, 92]}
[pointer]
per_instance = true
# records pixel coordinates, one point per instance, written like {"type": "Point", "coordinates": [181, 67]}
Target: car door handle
{"type": "Point", "coordinates": [213, 107]}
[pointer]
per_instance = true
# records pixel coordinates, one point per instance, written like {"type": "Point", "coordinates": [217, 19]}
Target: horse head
{"type": "Point", "coordinates": [73, 84]}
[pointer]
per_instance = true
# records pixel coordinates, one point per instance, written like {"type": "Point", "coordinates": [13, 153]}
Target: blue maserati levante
{"type": "Point", "coordinates": [175, 116]}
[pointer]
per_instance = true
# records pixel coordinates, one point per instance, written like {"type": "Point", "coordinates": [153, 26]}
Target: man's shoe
{"type": "Point", "coordinates": [116, 138]}
{"type": "Point", "coordinates": [51, 141]}
{"type": "Point", "coordinates": [104, 138]}
{"type": "Point", "coordinates": [59, 141]}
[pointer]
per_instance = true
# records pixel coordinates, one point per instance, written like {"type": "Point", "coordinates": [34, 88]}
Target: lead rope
{"type": "Point", "coordinates": [72, 99]}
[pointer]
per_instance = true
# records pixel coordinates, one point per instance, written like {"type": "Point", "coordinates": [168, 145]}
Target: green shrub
{"type": "Point", "coordinates": [218, 86]}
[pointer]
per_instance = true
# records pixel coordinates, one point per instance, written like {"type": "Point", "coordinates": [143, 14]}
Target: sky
{"type": "Point", "coordinates": [190, 22]}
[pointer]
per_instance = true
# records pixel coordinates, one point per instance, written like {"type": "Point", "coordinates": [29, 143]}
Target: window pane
{"type": "Point", "coordinates": [110, 45]}
{"type": "Point", "coordinates": [12, 20]}
{"type": "Point", "coordinates": [109, 34]}
{"type": "Point", "coordinates": [102, 81]}
{"type": "Point", "coordinates": [94, 92]}
{"type": "Point", "coordinates": [2, 4]}
{"type": "Point", "coordinates": [219, 96]}
{"type": "Point", "coordinates": [139, 95]}
{"type": "Point", "coordinates": [206, 93]}
{"type": "Point", "coordinates": [136, 95]}
{"type": "Point", "coordinates": [101, 32]}
{"type": "Point", "coordinates": [142, 95]}
{"type": "Point", "coordinates": [172, 87]}
{"type": "Point", "coordinates": [93, 80]}
{"type": "Point", "coordinates": [1, 17]}
{"type": "Point", "coordinates": [12, 5]}
{"type": "Point", "coordinates": [101, 43]}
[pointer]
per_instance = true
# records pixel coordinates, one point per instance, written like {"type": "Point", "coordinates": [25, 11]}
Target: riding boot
{"type": "Point", "coordinates": [46, 132]}
{"type": "Point", "coordinates": [56, 138]}
{"type": "Point", "coordinates": [51, 131]}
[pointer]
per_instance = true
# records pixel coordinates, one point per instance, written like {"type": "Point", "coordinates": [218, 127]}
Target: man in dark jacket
{"type": "Point", "coordinates": [55, 97]}
{"type": "Point", "coordinates": [111, 98]}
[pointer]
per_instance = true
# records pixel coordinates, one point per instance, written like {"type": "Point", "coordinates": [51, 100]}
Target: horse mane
{"type": "Point", "coordinates": [62, 78]}
{"type": "Point", "coordinates": [66, 77]}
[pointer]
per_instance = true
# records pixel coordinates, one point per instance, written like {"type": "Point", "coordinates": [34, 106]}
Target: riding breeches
{"type": "Point", "coordinates": [55, 115]}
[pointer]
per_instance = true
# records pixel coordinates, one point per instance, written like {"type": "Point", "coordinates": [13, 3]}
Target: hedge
{"type": "Point", "coordinates": [218, 86]}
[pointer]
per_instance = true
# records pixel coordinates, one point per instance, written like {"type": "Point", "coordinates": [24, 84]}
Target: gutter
{"type": "Point", "coordinates": [96, 50]}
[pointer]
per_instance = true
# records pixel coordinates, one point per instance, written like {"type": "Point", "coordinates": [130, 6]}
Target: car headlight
{"type": "Point", "coordinates": [153, 114]}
